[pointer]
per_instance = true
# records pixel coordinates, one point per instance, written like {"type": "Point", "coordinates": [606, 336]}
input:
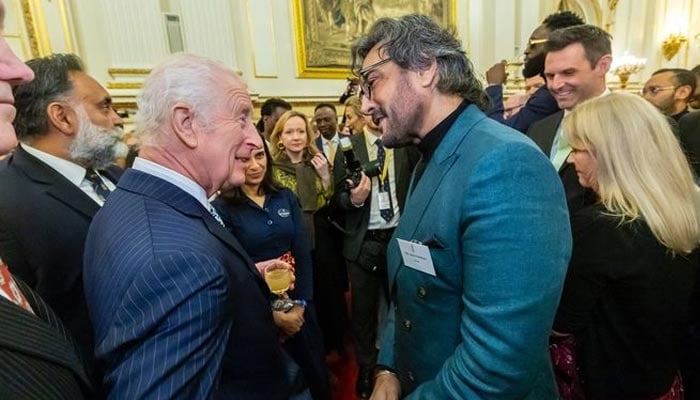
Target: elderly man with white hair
{"type": "Point", "coordinates": [179, 309]}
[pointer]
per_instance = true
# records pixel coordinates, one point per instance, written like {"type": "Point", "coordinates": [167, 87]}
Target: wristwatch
{"type": "Point", "coordinates": [287, 304]}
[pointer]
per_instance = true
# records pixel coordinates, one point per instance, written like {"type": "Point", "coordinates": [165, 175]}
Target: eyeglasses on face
{"type": "Point", "coordinates": [365, 86]}
{"type": "Point", "coordinates": [654, 90]}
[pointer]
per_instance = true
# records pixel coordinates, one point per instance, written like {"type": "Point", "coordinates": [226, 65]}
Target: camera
{"type": "Point", "coordinates": [353, 166]}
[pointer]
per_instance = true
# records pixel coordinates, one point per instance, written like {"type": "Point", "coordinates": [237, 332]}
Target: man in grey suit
{"type": "Point", "coordinates": [371, 209]}
{"type": "Point", "coordinates": [477, 262]}
{"type": "Point", "coordinates": [179, 308]}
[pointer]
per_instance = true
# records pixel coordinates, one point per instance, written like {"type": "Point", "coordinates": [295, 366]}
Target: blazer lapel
{"type": "Point", "coordinates": [440, 164]}
{"type": "Point", "coordinates": [543, 136]}
{"type": "Point", "coordinates": [34, 335]}
{"type": "Point", "coordinates": [57, 186]}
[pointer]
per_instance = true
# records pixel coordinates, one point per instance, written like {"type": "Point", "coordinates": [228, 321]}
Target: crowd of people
{"type": "Point", "coordinates": [539, 249]}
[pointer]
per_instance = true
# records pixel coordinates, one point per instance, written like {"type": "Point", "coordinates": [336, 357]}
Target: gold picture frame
{"type": "Point", "coordinates": [325, 29]}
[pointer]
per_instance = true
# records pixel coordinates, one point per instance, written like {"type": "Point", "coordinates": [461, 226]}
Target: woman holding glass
{"type": "Point", "coordinates": [627, 297]}
{"type": "Point", "coordinates": [267, 220]}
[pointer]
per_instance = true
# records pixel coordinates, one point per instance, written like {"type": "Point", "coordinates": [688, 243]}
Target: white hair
{"type": "Point", "coordinates": [180, 78]}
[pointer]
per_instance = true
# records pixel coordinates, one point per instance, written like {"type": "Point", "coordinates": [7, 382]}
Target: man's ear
{"type": "Point", "coordinates": [604, 63]}
{"type": "Point", "coordinates": [683, 93]}
{"type": "Point", "coordinates": [428, 76]}
{"type": "Point", "coordinates": [63, 118]}
{"type": "Point", "coordinates": [184, 125]}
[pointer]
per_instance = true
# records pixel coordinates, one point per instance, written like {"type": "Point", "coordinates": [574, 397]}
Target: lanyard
{"type": "Point", "coordinates": [388, 154]}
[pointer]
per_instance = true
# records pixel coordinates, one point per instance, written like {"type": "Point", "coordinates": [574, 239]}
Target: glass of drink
{"type": "Point", "coordinates": [278, 277]}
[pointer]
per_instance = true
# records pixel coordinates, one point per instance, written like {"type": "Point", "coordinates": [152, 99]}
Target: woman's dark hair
{"type": "Point", "coordinates": [269, 185]}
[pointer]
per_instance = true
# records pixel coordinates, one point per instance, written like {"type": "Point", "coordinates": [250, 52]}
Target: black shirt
{"type": "Point", "coordinates": [432, 140]}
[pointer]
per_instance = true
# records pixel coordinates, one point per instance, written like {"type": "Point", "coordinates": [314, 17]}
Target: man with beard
{"type": "Point", "coordinates": [55, 181]}
{"type": "Point", "coordinates": [670, 90]}
{"type": "Point", "coordinates": [541, 104]}
{"type": "Point", "coordinates": [477, 263]}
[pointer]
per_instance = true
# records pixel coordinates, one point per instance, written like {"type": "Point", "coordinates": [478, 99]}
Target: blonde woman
{"type": "Point", "coordinates": [628, 289]}
{"type": "Point", "coordinates": [299, 166]}
{"type": "Point", "coordinates": [354, 120]}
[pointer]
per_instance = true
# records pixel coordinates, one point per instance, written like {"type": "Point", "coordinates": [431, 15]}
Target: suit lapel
{"type": "Point", "coordinates": [57, 186]}
{"type": "Point", "coordinates": [167, 193]}
{"type": "Point", "coordinates": [543, 133]}
{"type": "Point", "coordinates": [39, 335]}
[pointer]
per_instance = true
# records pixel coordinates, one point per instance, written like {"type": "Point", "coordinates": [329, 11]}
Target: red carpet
{"type": "Point", "coordinates": [343, 368]}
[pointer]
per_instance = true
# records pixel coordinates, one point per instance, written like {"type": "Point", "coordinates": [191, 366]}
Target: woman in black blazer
{"type": "Point", "coordinates": [627, 297]}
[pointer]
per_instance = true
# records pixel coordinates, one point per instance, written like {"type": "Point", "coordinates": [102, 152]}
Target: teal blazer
{"type": "Point", "coordinates": [492, 210]}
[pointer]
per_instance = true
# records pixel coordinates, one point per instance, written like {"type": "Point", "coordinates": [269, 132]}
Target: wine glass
{"type": "Point", "coordinates": [279, 277]}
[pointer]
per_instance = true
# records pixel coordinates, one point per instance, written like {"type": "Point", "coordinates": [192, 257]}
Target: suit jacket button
{"type": "Point", "coordinates": [422, 292]}
{"type": "Point", "coordinates": [410, 376]}
{"type": "Point", "coordinates": [407, 324]}
{"type": "Point", "coordinates": [269, 222]}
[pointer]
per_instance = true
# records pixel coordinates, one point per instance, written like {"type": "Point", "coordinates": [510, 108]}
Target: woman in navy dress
{"type": "Point", "coordinates": [267, 220]}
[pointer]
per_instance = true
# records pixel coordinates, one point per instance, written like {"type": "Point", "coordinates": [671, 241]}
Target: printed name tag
{"type": "Point", "coordinates": [416, 256]}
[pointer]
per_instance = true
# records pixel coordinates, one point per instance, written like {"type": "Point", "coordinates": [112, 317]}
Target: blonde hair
{"type": "Point", "coordinates": [276, 148]}
{"type": "Point", "coordinates": [641, 169]}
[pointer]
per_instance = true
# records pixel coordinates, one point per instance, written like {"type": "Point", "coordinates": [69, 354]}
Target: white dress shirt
{"type": "Point", "coordinates": [186, 184]}
{"type": "Point", "coordinates": [375, 219]}
{"type": "Point", "coordinates": [326, 145]}
{"type": "Point", "coordinates": [71, 171]}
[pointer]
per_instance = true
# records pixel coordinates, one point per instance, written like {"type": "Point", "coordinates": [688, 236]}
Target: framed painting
{"type": "Point", "coordinates": [324, 30]}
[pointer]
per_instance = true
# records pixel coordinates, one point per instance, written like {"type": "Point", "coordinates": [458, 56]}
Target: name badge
{"type": "Point", "coordinates": [416, 256]}
{"type": "Point", "coordinates": [384, 201]}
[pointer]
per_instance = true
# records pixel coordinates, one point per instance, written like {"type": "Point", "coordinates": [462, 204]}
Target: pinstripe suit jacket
{"type": "Point", "coordinates": [178, 308]}
{"type": "Point", "coordinates": [38, 358]}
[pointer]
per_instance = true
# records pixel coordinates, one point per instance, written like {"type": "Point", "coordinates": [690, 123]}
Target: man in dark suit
{"type": "Point", "coordinates": [38, 358]}
{"type": "Point", "coordinates": [371, 210]}
{"type": "Point", "coordinates": [689, 134]}
{"type": "Point", "coordinates": [178, 307]}
{"type": "Point", "coordinates": [330, 275]}
{"type": "Point", "coordinates": [541, 104]}
{"type": "Point", "coordinates": [55, 181]}
{"type": "Point", "coordinates": [577, 60]}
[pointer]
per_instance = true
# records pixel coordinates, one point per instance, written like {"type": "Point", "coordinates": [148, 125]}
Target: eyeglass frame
{"type": "Point", "coordinates": [654, 90]}
{"type": "Point", "coordinates": [365, 89]}
{"type": "Point", "coordinates": [533, 42]}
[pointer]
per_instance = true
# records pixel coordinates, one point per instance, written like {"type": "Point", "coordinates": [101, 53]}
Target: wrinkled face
{"type": "Point", "coordinates": [256, 166]}
{"type": "Point", "coordinates": [390, 96]}
{"type": "Point", "coordinates": [12, 73]}
{"type": "Point", "coordinates": [570, 77]}
{"type": "Point", "coordinates": [535, 45]}
{"type": "Point", "coordinates": [354, 121]}
{"type": "Point", "coordinates": [586, 166]}
{"type": "Point", "coordinates": [230, 135]}
{"type": "Point", "coordinates": [326, 122]}
{"type": "Point", "coordinates": [661, 91]}
{"type": "Point", "coordinates": [294, 136]}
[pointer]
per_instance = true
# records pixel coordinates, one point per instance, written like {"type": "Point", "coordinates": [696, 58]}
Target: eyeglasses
{"type": "Point", "coordinates": [533, 42]}
{"type": "Point", "coordinates": [654, 90]}
{"type": "Point", "coordinates": [365, 86]}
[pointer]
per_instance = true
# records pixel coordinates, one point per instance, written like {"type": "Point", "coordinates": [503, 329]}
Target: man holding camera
{"type": "Point", "coordinates": [371, 191]}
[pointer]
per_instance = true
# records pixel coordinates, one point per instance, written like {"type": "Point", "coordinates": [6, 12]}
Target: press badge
{"type": "Point", "coordinates": [416, 256]}
{"type": "Point", "coordinates": [384, 201]}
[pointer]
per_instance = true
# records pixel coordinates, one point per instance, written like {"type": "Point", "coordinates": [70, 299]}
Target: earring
{"type": "Point", "coordinates": [280, 146]}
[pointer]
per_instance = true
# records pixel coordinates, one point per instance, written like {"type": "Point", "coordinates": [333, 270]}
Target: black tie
{"type": "Point", "coordinates": [97, 184]}
{"type": "Point", "coordinates": [386, 214]}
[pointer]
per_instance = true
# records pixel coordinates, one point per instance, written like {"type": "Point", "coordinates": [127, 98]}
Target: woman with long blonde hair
{"type": "Point", "coordinates": [627, 296]}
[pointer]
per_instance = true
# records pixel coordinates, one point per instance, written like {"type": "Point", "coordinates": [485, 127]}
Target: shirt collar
{"type": "Point", "coordinates": [370, 138]}
{"type": "Point", "coordinates": [432, 140]}
{"type": "Point", "coordinates": [186, 184]}
{"type": "Point", "coordinates": [70, 170]}
{"type": "Point", "coordinates": [334, 139]}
